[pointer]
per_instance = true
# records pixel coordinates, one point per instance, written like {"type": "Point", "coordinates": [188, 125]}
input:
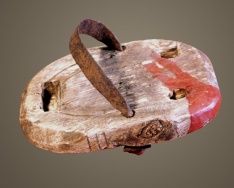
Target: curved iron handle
{"type": "Point", "coordinates": [89, 66]}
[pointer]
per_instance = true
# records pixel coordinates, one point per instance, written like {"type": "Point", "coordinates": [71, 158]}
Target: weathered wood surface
{"type": "Point", "coordinates": [62, 112]}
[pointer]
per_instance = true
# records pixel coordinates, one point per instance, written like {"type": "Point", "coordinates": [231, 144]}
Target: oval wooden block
{"type": "Point", "coordinates": [171, 87]}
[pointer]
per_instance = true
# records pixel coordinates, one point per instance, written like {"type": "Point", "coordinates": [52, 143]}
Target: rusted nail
{"type": "Point", "coordinates": [89, 66]}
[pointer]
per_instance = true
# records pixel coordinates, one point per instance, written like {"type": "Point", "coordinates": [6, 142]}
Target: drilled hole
{"type": "Point", "coordinates": [133, 114]}
{"type": "Point", "coordinates": [170, 53]}
{"type": "Point", "coordinates": [124, 48]}
{"type": "Point", "coordinates": [50, 96]}
{"type": "Point", "coordinates": [178, 94]}
{"type": "Point", "coordinates": [46, 100]}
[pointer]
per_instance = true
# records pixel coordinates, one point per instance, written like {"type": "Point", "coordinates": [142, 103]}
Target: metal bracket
{"type": "Point", "coordinates": [89, 66]}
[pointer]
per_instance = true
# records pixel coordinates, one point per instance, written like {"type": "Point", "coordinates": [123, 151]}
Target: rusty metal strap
{"type": "Point", "coordinates": [89, 66]}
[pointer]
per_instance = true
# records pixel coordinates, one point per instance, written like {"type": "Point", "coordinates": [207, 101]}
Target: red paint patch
{"type": "Point", "coordinates": [204, 100]}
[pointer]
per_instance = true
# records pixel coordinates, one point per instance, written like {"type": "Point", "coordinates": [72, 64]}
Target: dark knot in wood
{"type": "Point", "coordinates": [153, 128]}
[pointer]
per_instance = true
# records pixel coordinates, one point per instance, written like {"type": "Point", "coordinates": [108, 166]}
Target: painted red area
{"type": "Point", "coordinates": [204, 100]}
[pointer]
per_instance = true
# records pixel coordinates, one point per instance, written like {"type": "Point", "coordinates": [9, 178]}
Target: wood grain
{"type": "Point", "coordinates": [62, 112]}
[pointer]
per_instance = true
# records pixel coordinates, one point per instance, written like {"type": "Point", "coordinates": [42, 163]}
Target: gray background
{"type": "Point", "coordinates": [35, 33]}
